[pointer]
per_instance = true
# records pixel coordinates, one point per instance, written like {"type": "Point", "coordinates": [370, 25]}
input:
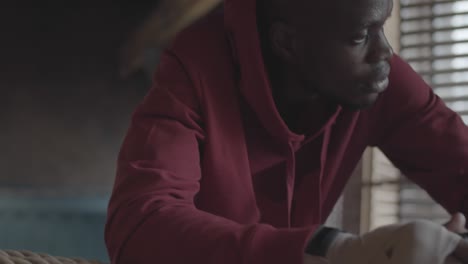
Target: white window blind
{"type": "Point", "coordinates": [434, 40]}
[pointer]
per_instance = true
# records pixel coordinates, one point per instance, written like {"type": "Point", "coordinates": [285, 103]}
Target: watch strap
{"type": "Point", "coordinates": [321, 240]}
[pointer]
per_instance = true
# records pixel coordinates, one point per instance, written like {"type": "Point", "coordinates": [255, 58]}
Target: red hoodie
{"type": "Point", "coordinates": [209, 173]}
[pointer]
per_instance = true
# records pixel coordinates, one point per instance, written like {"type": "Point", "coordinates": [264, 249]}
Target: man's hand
{"type": "Point", "coordinates": [461, 252]}
{"type": "Point", "coordinates": [407, 241]}
{"type": "Point", "coordinates": [414, 242]}
{"type": "Point", "coordinates": [457, 225]}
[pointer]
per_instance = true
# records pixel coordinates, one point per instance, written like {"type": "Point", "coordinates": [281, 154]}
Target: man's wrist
{"type": "Point", "coordinates": [321, 240]}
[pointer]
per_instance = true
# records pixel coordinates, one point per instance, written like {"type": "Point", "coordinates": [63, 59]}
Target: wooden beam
{"type": "Point", "coordinates": [169, 18]}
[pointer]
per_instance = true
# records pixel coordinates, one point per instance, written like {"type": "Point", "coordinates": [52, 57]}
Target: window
{"type": "Point", "coordinates": [434, 40]}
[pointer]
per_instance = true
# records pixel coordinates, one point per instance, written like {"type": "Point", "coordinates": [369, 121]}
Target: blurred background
{"type": "Point", "coordinates": [63, 113]}
{"type": "Point", "coordinates": [65, 108]}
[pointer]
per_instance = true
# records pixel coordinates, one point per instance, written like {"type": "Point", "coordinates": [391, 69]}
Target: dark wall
{"type": "Point", "coordinates": [63, 109]}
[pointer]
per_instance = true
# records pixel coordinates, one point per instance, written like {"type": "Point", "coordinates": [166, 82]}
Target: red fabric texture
{"type": "Point", "coordinates": [210, 173]}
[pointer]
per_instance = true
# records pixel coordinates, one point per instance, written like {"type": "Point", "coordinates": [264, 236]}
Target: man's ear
{"type": "Point", "coordinates": [283, 41]}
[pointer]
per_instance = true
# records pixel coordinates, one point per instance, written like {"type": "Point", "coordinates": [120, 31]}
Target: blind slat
{"type": "Point", "coordinates": [431, 44]}
{"type": "Point", "coordinates": [433, 58]}
{"type": "Point", "coordinates": [433, 30]}
{"type": "Point", "coordinates": [410, 4]}
{"type": "Point", "coordinates": [442, 71]}
{"type": "Point", "coordinates": [447, 84]}
{"type": "Point", "coordinates": [433, 16]}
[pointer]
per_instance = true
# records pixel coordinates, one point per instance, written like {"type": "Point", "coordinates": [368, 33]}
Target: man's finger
{"type": "Point", "coordinates": [457, 223]}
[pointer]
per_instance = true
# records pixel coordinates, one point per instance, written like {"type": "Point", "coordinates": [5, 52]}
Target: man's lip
{"type": "Point", "coordinates": [377, 86]}
{"type": "Point", "coordinates": [382, 85]}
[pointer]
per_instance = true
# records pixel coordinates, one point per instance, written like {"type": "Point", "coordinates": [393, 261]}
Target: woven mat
{"type": "Point", "coordinates": [27, 257]}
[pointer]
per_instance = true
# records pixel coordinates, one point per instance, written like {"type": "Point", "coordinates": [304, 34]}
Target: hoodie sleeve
{"type": "Point", "coordinates": [152, 217]}
{"type": "Point", "coordinates": [426, 140]}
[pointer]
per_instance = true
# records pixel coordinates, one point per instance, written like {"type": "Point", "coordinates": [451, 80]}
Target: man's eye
{"type": "Point", "coordinates": [360, 39]}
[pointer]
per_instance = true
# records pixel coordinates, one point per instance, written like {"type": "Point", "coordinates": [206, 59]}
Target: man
{"type": "Point", "coordinates": [247, 138]}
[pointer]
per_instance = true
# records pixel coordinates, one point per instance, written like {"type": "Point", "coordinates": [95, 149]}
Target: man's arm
{"type": "Point", "coordinates": [152, 216]}
{"type": "Point", "coordinates": [426, 140]}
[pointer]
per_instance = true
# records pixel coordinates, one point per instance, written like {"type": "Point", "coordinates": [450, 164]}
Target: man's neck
{"type": "Point", "coordinates": [302, 111]}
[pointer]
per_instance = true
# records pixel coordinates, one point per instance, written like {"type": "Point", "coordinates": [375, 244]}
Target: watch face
{"type": "Point", "coordinates": [465, 235]}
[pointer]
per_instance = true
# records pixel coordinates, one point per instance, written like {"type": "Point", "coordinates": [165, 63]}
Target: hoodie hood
{"type": "Point", "coordinates": [240, 18]}
{"type": "Point", "coordinates": [241, 25]}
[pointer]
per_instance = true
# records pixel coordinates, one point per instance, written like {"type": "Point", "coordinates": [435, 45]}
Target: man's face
{"type": "Point", "coordinates": [342, 53]}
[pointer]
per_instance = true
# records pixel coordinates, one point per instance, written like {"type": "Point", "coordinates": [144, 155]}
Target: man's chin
{"type": "Point", "coordinates": [360, 103]}
{"type": "Point", "coordinates": [355, 103]}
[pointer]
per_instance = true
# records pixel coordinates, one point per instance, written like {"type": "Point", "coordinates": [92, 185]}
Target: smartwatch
{"type": "Point", "coordinates": [321, 240]}
{"type": "Point", "coordinates": [464, 235]}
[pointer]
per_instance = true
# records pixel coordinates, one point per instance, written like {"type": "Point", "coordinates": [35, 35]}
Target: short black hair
{"type": "Point", "coordinates": [271, 10]}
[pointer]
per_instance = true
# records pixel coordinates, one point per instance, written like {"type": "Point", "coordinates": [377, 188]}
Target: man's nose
{"type": "Point", "coordinates": [382, 50]}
